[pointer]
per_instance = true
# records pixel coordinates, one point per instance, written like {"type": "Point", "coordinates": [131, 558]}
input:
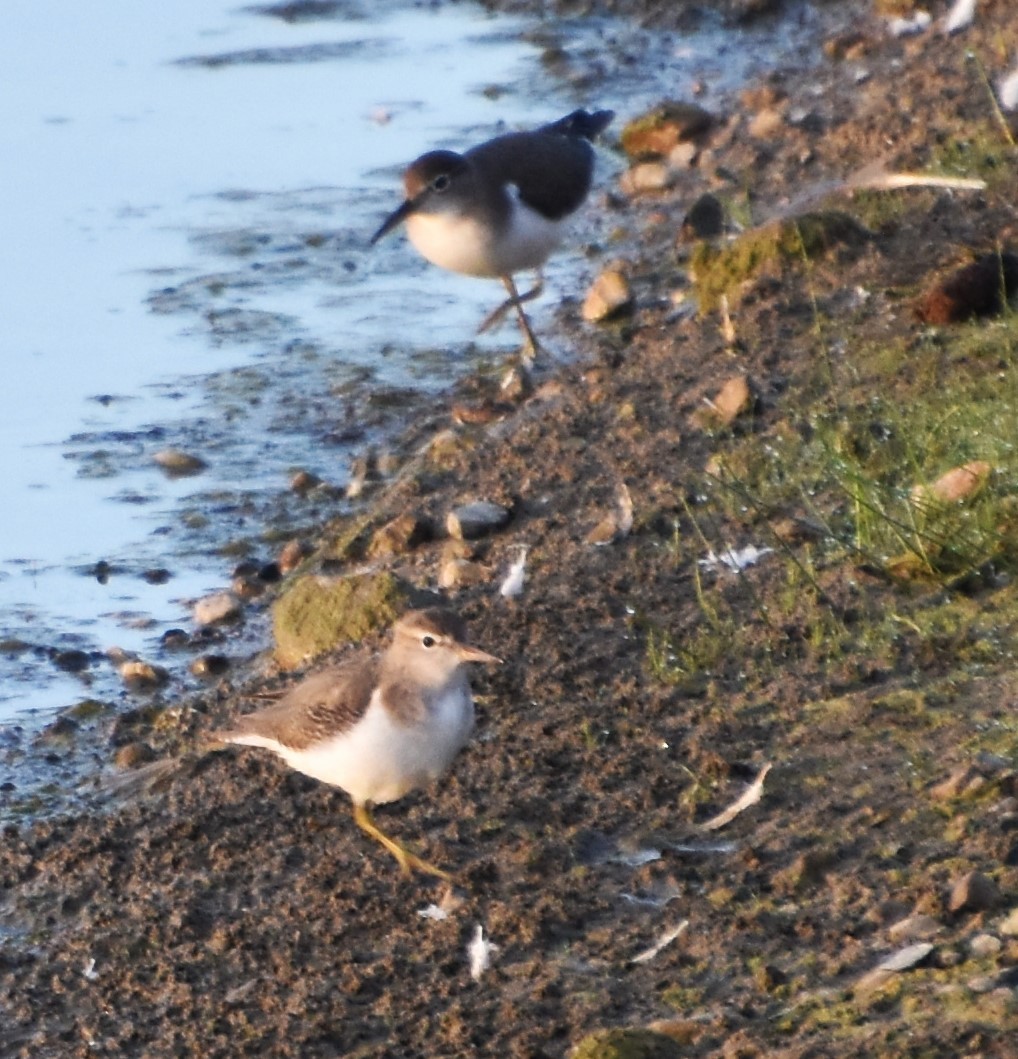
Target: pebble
{"type": "Point", "coordinates": [985, 945]}
{"type": "Point", "coordinates": [608, 296]}
{"type": "Point", "coordinates": [132, 755]}
{"type": "Point", "coordinates": [683, 155]}
{"type": "Point", "coordinates": [733, 399]}
{"type": "Point", "coordinates": [399, 536]}
{"type": "Point", "coordinates": [914, 927]}
{"type": "Point", "coordinates": [292, 555]}
{"type": "Point", "coordinates": [646, 176]}
{"type": "Point", "coordinates": [654, 134]}
{"type": "Point", "coordinates": [906, 958]}
{"type": "Point", "coordinates": [766, 125]}
{"type": "Point", "coordinates": [974, 892]}
{"type": "Point", "coordinates": [180, 463]}
{"type": "Point", "coordinates": [217, 608]}
{"type": "Point", "coordinates": [71, 661]}
{"type": "Point", "coordinates": [142, 676]}
{"type": "Point", "coordinates": [959, 483]}
{"type": "Point", "coordinates": [963, 780]}
{"type": "Point", "coordinates": [208, 667]}
{"type": "Point", "coordinates": [704, 219]}
{"type": "Point", "coordinates": [478, 519]}
{"type": "Point", "coordinates": [303, 482]}
{"type": "Point", "coordinates": [457, 573]}
{"type": "Point", "coordinates": [1009, 927]}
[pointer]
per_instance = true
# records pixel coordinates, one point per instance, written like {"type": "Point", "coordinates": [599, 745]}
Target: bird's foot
{"type": "Point", "coordinates": [408, 862]}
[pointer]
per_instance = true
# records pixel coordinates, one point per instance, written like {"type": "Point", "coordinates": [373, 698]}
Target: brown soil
{"type": "Point", "coordinates": [240, 912]}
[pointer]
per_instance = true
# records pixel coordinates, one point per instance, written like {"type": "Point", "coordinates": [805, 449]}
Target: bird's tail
{"type": "Point", "coordinates": [581, 123]}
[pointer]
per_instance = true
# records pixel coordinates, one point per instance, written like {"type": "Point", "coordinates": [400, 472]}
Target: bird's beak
{"type": "Point", "coordinates": [466, 653]}
{"type": "Point", "coordinates": [397, 217]}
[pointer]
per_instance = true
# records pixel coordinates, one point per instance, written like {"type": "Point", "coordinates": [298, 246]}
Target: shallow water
{"type": "Point", "coordinates": [186, 265]}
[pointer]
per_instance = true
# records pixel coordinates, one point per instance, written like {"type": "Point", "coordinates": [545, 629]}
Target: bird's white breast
{"type": "Point", "coordinates": [379, 759]}
{"type": "Point", "coordinates": [461, 244]}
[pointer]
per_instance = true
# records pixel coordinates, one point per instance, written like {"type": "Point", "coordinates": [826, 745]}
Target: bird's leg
{"type": "Point", "coordinates": [408, 862]}
{"type": "Point", "coordinates": [515, 301]}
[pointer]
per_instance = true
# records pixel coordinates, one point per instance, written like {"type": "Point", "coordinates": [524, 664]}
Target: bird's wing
{"type": "Point", "coordinates": [323, 704]}
{"type": "Point", "coordinates": [550, 172]}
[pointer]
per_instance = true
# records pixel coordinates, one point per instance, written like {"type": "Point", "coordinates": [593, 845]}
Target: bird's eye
{"type": "Point", "coordinates": [441, 182]}
{"type": "Point", "coordinates": [428, 641]}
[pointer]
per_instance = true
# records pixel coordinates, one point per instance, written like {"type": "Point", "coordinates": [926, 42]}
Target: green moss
{"type": "Point", "coordinates": [316, 614]}
{"type": "Point", "coordinates": [87, 710]}
{"type": "Point", "coordinates": [627, 1044]}
{"type": "Point", "coordinates": [980, 152]}
{"type": "Point", "coordinates": [768, 250]}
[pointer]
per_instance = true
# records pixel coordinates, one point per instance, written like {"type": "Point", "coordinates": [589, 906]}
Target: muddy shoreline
{"type": "Point", "coordinates": [232, 908]}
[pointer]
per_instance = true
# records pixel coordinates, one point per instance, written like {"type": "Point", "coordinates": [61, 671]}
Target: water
{"type": "Point", "coordinates": [188, 190]}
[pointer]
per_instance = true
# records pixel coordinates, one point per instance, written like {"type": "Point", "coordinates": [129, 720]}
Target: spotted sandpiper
{"type": "Point", "coordinates": [500, 207]}
{"type": "Point", "coordinates": [378, 728]}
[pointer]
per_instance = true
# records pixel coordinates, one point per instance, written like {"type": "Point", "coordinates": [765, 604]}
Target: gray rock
{"type": "Point", "coordinates": [470, 521]}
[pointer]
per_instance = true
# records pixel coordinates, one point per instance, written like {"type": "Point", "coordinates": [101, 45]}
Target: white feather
{"type": "Point", "coordinates": [479, 953]}
{"type": "Point", "coordinates": [1009, 91]}
{"type": "Point", "coordinates": [960, 16]}
{"type": "Point", "coordinates": [512, 586]}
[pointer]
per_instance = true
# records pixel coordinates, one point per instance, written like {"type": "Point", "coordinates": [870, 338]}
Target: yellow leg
{"type": "Point", "coordinates": [515, 301]}
{"type": "Point", "coordinates": [407, 861]}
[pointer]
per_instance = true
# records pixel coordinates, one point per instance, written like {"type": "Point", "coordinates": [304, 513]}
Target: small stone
{"type": "Point", "coordinates": [645, 177]}
{"type": "Point", "coordinates": [457, 573]}
{"type": "Point", "coordinates": [903, 960]}
{"type": "Point", "coordinates": [208, 667]}
{"type": "Point", "coordinates": [158, 575]}
{"type": "Point", "coordinates": [178, 463]}
{"type": "Point", "coordinates": [766, 125]}
{"type": "Point", "coordinates": [683, 155]}
{"type": "Point", "coordinates": [655, 134]}
{"type": "Point", "coordinates": [963, 780]}
{"type": "Point", "coordinates": [71, 661]}
{"type": "Point", "coordinates": [731, 401]}
{"type": "Point", "coordinates": [269, 573]}
{"type": "Point", "coordinates": [247, 587]}
{"type": "Point", "coordinates": [303, 482]}
{"type": "Point", "coordinates": [914, 927]}
{"type": "Point", "coordinates": [982, 983]}
{"type": "Point", "coordinates": [983, 945]}
{"type": "Point", "coordinates": [174, 639]}
{"type": "Point", "coordinates": [480, 413]}
{"type": "Point", "coordinates": [478, 519]}
{"type": "Point", "coordinates": [1009, 927]}
{"type": "Point", "coordinates": [216, 609]}
{"type": "Point", "coordinates": [363, 473]}
{"type": "Point", "coordinates": [143, 676]}
{"type": "Point", "coordinates": [132, 755]}
{"type": "Point", "coordinates": [60, 732]}
{"type": "Point", "coordinates": [291, 556]}
{"type": "Point", "coordinates": [704, 219]}
{"type": "Point", "coordinates": [517, 384]}
{"type": "Point", "coordinates": [401, 535]}
{"type": "Point", "coordinates": [960, 483]}
{"type": "Point", "coordinates": [608, 296]}
{"type": "Point", "coordinates": [974, 892]}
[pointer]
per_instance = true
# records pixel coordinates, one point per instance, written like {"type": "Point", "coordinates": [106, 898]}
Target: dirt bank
{"type": "Point", "coordinates": [868, 656]}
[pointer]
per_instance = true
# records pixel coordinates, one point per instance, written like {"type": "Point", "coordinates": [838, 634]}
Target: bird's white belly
{"type": "Point", "coordinates": [380, 760]}
{"type": "Point", "coordinates": [460, 244]}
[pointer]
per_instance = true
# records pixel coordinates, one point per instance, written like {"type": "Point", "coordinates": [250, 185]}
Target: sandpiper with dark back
{"type": "Point", "coordinates": [500, 207]}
